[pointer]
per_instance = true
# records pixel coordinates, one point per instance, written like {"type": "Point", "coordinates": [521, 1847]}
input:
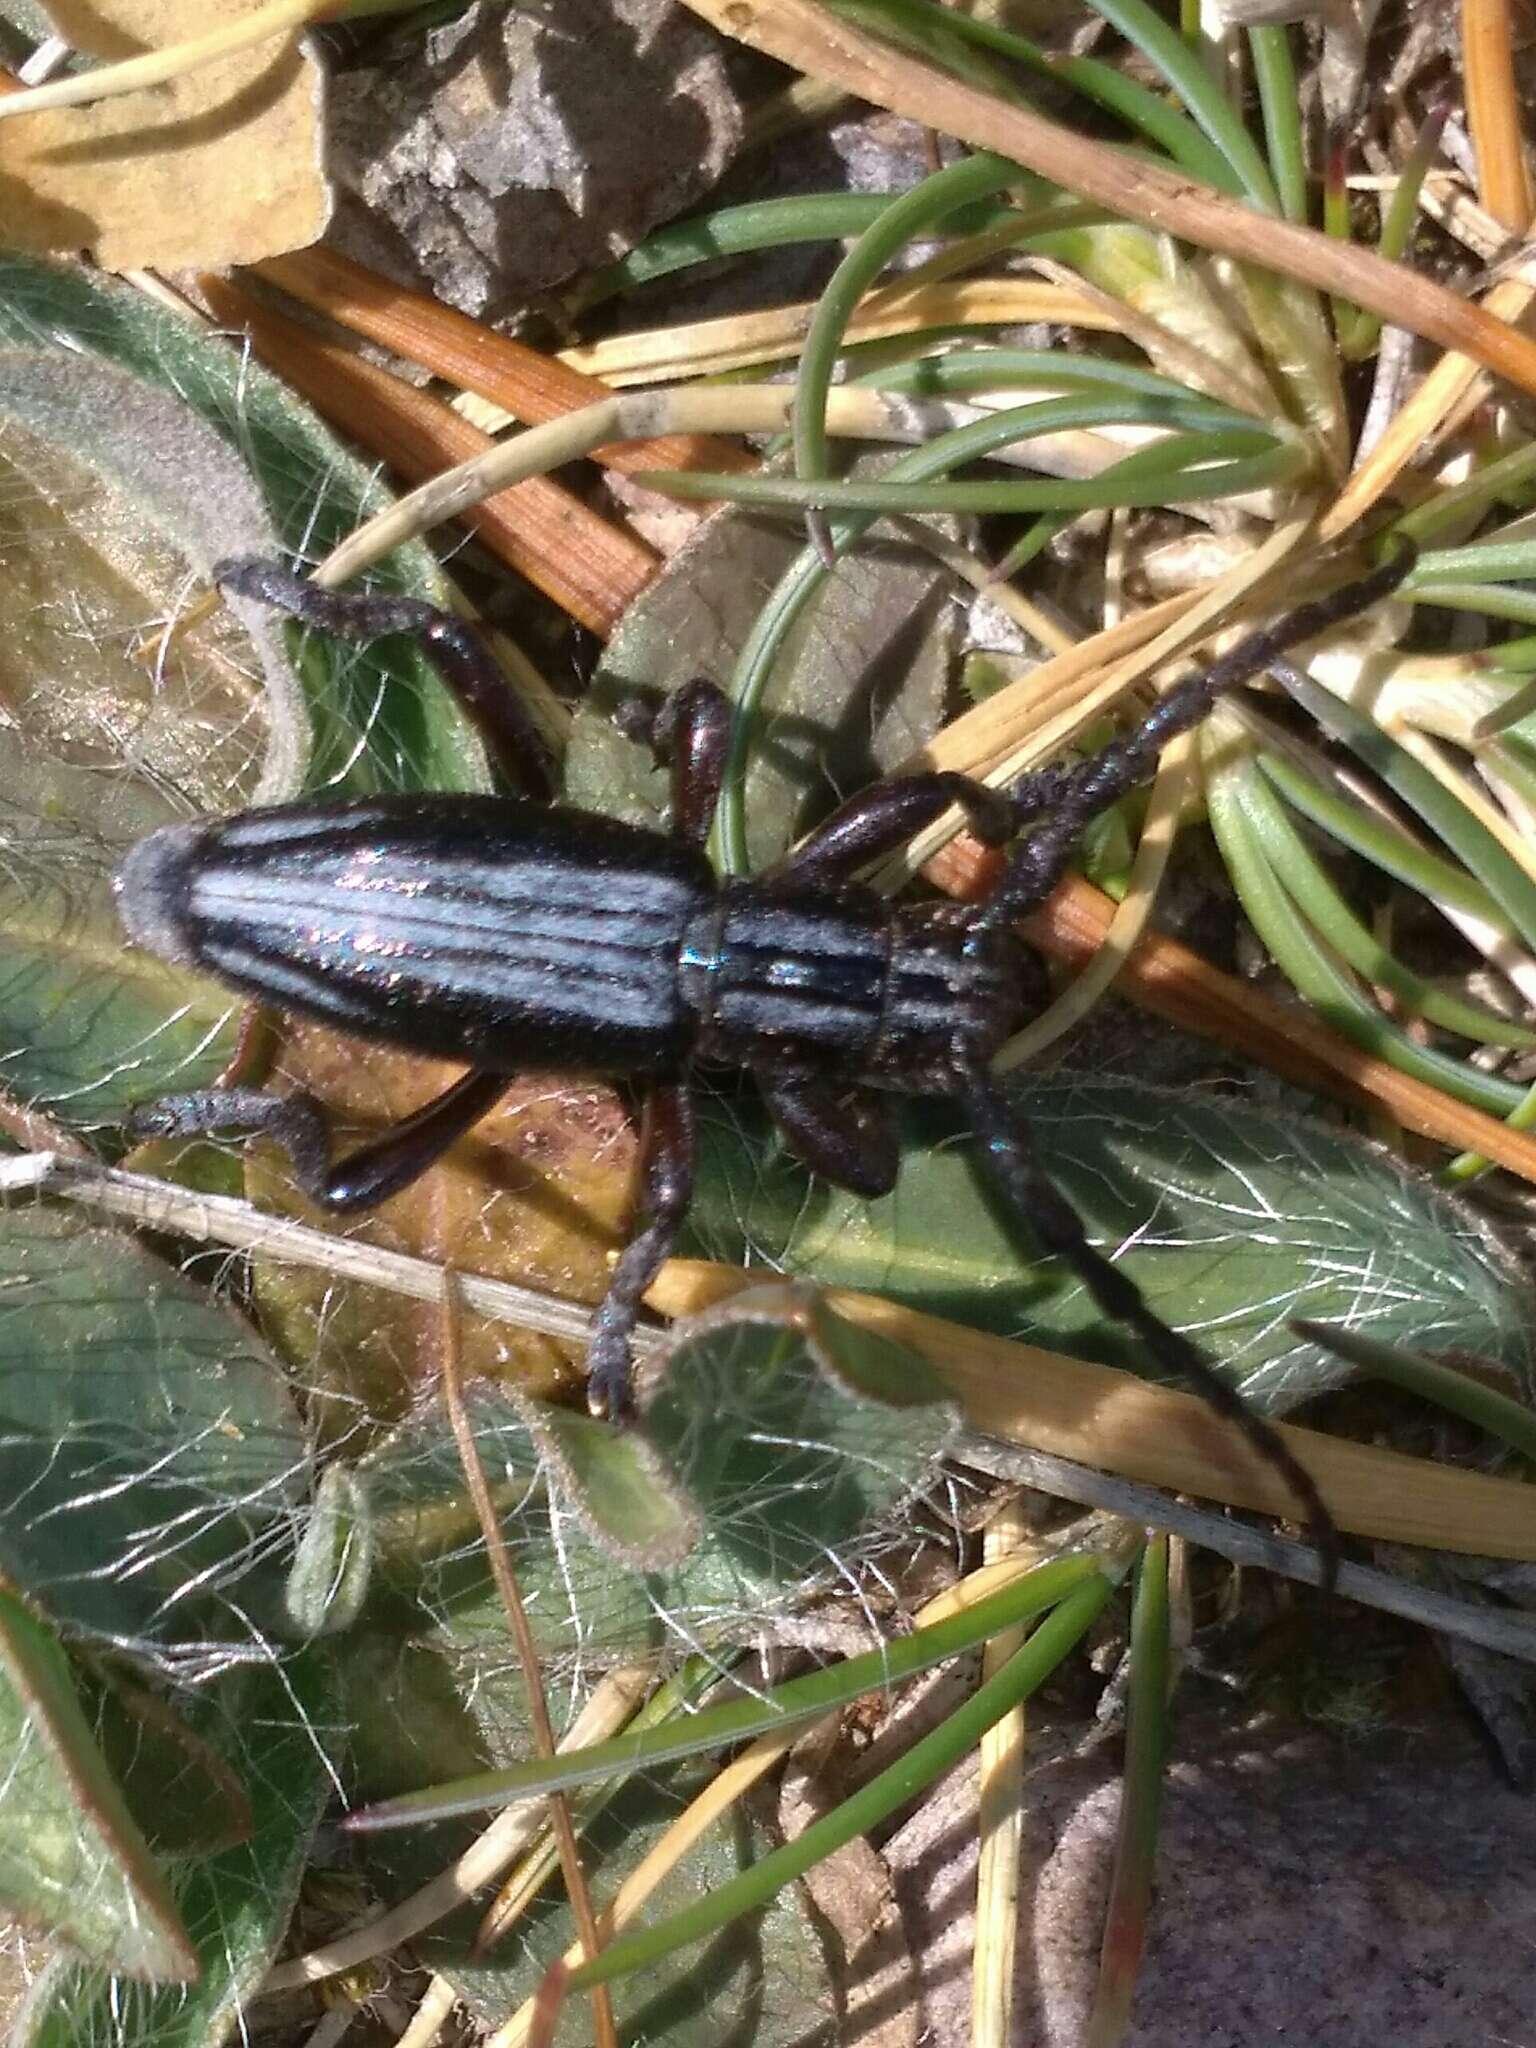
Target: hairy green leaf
{"type": "Point", "coordinates": [382, 719]}
{"type": "Point", "coordinates": [137, 450]}
{"type": "Point", "coordinates": [72, 1858]}
{"type": "Point", "coordinates": [151, 1462]}
{"type": "Point", "coordinates": [1230, 1217]}
{"type": "Point", "coordinates": [236, 1905]}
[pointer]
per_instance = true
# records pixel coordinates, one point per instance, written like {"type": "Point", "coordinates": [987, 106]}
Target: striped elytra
{"type": "Point", "coordinates": [481, 928]}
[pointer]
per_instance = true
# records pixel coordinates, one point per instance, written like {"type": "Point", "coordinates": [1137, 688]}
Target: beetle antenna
{"type": "Point", "coordinates": [1055, 1223]}
{"type": "Point", "coordinates": [1074, 797]}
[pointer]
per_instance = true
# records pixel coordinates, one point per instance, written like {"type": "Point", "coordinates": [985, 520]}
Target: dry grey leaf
{"type": "Point", "coordinates": [859, 685]}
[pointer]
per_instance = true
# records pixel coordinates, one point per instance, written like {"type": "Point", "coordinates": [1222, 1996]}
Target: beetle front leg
{"type": "Point", "coordinates": [365, 1177]}
{"type": "Point", "coordinates": [884, 817]}
{"type": "Point", "coordinates": [453, 646]}
{"type": "Point", "coordinates": [667, 1151]}
{"type": "Point", "coordinates": [1071, 798]}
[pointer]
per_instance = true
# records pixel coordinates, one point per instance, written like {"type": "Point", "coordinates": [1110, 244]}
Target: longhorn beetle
{"type": "Point", "coordinates": [506, 933]}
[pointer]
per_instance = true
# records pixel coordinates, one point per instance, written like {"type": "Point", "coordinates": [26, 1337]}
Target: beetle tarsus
{"type": "Point", "coordinates": [666, 1188]}
{"type": "Point", "coordinates": [1071, 798]}
{"type": "Point", "coordinates": [401, 1154]}
{"type": "Point", "coordinates": [295, 1122]}
{"type": "Point", "coordinates": [298, 1125]}
{"type": "Point", "coordinates": [462, 655]}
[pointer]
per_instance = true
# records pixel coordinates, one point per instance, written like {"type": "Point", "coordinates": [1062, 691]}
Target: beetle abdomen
{"type": "Point", "coordinates": [475, 928]}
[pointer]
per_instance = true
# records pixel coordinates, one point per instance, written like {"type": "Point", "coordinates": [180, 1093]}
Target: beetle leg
{"type": "Point", "coordinates": [666, 1187]}
{"type": "Point", "coordinates": [849, 1139]}
{"type": "Point", "coordinates": [1074, 797]}
{"type": "Point", "coordinates": [690, 732]}
{"type": "Point", "coordinates": [885, 816]}
{"type": "Point", "coordinates": [294, 1122]}
{"type": "Point", "coordinates": [455, 648]}
{"type": "Point", "coordinates": [297, 1123]}
{"type": "Point", "coordinates": [1056, 1225]}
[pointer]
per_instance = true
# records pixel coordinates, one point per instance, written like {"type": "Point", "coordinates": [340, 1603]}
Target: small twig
{"type": "Point", "coordinates": [1513, 1635]}
{"type": "Point", "coordinates": [1016, 1391]}
{"type": "Point", "coordinates": [505, 1579]}
{"type": "Point", "coordinates": [527, 384]}
{"type": "Point", "coordinates": [1495, 114]}
{"type": "Point", "coordinates": [431, 2016]}
{"type": "Point", "coordinates": [36, 1131]}
{"type": "Point", "coordinates": [999, 1816]}
{"type": "Point", "coordinates": [1394, 367]}
{"type": "Point", "coordinates": [735, 409]}
{"type": "Point", "coordinates": [333, 2025]}
{"type": "Point", "coordinates": [732, 341]}
{"type": "Point", "coordinates": [226, 1219]}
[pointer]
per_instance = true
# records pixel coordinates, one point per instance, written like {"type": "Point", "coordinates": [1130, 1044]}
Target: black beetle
{"type": "Point", "coordinates": [507, 933]}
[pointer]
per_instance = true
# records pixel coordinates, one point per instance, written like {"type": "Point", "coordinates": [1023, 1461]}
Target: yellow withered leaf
{"type": "Point", "coordinates": [218, 167]}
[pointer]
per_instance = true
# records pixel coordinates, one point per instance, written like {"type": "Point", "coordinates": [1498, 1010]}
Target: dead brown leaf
{"type": "Point", "coordinates": [222, 166]}
{"type": "Point", "coordinates": [538, 1193]}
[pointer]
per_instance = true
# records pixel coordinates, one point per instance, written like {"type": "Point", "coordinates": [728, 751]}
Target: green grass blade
{"type": "Point", "coordinates": [1185, 71]}
{"type": "Point", "coordinates": [1313, 970]}
{"type": "Point", "coordinates": [1043, 530]}
{"type": "Point", "coordinates": [1313, 892]}
{"type": "Point", "coordinates": [1514, 657]}
{"type": "Point", "coordinates": [1000, 369]}
{"type": "Point", "coordinates": [1508, 476]}
{"type": "Point", "coordinates": [914, 213]}
{"type": "Point", "coordinates": [1492, 600]}
{"type": "Point", "coordinates": [1470, 1166]}
{"type": "Point", "coordinates": [1511, 1421]}
{"type": "Point", "coordinates": [1172, 486]}
{"type": "Point", "coordinates": [1398, 223]}
{"type": "Point", "coordinates": [1280, 102]}
{"type": "Point", "coordinates": [761, 224]}
{"type": "Point", "coordinates": [1146, 1750]}
{"type": "Point", "coordinates": [1384, 844]}
{"type": "Point", "coordinates": [800, 1699]}
{"type": "Point", "coordinates": [1483, 561]}
{"type": "Point", "coordinates": [1137, 105]}
{"type": "Point", "coordinates": [1473, 845]}
{"type": "Point", "coordinates": [1047, 1647]}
